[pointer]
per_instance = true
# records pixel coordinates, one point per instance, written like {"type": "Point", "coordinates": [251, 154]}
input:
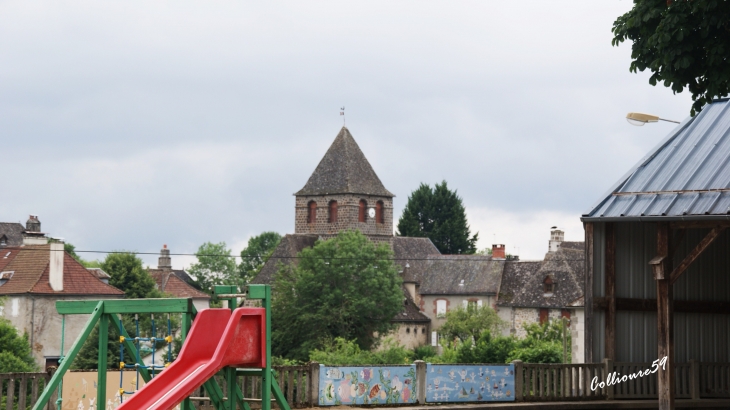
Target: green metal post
{"type": "Point", "coordinates": [101, 372]}
{"type": "Point", "coordinates": [60, 359]}
{"type": "Point", "coordinates": [66, 363]}
{"type": "Point", "coordinates": [267, 375]}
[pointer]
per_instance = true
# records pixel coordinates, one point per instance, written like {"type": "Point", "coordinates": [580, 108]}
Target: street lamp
{"type": "Point", "coordinates": [639, 119]}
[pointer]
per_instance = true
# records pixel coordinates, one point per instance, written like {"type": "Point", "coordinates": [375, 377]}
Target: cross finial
{"type": "Point", "coordinates": [342, 113]}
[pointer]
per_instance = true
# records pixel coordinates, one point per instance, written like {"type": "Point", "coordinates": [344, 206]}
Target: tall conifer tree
{"type": "Point", "coordinates": [439, 215]}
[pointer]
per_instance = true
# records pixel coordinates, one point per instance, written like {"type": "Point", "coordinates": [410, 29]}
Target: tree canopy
{"type": "Point", "coordinates": [439, 215]}
{"type": "Point", "coordinates": [127, 274]}
{"type": "Point", "coordinates": [256, 253]}
{"type": "Point", "coordinates": [685, 44]}
{"type": "Point", "coordinates": [343, 287]}
{"type": "Point", "coordinates": [467, 324]}
{"type": "Point", "coordinates": [15, 353]}
{"type": "Point", "coordinates": [215, 266]}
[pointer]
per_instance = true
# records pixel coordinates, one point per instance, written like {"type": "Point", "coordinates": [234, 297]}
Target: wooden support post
{"type": "Point", "coordinates": [665, 316]}
{"type": "Point", "coordinates": [694, 381]}
{"type": "Point", "coordinates": [101, 365]}
{"type": "Point", "coordinates": [610, 272]}
{"type": "Point", "coordinates": [519, 380]}
{"type": "Point", "coordinates": [588, 300]}
{"type": "Point", "coordinates": [608, 369]}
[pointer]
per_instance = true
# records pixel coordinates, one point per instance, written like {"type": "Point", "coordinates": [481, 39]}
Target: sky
{"type": "Point", "coordinates": [129, 125]}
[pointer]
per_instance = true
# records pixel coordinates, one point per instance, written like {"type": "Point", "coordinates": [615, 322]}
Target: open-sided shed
{"type": "Point", "coordinates": [657, 260]}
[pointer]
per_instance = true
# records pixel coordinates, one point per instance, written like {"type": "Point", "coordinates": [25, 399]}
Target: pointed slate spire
{"type": "Point", "coordinates": [344, 170]}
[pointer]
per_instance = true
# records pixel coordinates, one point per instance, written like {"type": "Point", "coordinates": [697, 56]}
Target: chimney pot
{"type": "Point", "coordinates": [498, 252]}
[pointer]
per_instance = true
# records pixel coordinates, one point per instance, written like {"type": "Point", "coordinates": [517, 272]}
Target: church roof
{"type": "Point", "coordinates": [344, 170]}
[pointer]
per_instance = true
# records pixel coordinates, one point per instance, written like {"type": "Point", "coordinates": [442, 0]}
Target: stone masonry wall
{"type": "Point", "coordinates": [348, 208]}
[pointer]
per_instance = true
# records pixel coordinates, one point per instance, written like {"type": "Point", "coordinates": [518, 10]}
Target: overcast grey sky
{"type": "Point", "coordinates": [126, 125]}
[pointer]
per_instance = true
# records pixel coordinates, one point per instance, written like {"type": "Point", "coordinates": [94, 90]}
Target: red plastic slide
{"type": "Point", "coordinates": [218, 338]}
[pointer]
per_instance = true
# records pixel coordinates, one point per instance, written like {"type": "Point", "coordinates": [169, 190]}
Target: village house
{"type": "Point", "coordinates": [176, 282]}
{"type": "Point", "coordinates": [550, 289]}
{"type": "Point", "coordinates": [34, 275]}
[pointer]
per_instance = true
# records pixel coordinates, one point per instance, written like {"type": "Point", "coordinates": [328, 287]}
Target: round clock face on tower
{"type": "Point", "coordinates": [371, 212]}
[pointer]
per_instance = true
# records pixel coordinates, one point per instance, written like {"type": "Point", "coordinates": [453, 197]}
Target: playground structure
{"type": "Point", "coordinates": [229, 342]}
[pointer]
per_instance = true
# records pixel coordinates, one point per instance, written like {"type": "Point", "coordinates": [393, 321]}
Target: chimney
{"type": "Point", "coordinates": [33, 224]}
{"type": "Point", "coordinates": [164, 262]}
{"type": "Point", "coordinates": [55, 270]}
{"type": "Point", "coordinates": [556, 238]}
{"type": "Point", "coordinates": [498, 252]}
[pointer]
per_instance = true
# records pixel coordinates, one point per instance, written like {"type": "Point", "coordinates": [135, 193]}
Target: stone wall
{"type": "Point", "coordinates": [348, 208]}
{"type": "Point", "coordinates": [410, 335]}
{"type": "Point", "coordinates": [37, 316]}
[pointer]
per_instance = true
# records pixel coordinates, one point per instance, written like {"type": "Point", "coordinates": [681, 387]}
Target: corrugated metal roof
{"type": "Point", "coordinates": [686, 177]}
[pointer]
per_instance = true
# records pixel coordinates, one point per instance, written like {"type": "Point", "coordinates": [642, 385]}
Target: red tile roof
{"type": "Point", "coordinates": [168, 282]}
{"type": "Point", "coordinates": [31, 267]}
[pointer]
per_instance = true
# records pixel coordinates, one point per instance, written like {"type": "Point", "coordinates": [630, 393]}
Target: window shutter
{"type": "Point", "coordinates": [479, 303]}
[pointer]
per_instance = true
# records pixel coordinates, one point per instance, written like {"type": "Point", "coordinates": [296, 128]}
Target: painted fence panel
{"type": "Point", "coordinates": [366, 385]}
{"type": "Point", "coordinates": [448, 383]}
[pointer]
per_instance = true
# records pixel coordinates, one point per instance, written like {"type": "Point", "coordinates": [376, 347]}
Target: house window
{"type": "Point", "coordinates": [379, 218]}
{"type": "Point", "coordinates": [333, 212]}
{"type": "Point", "coordinates": [544, 316]}
{"type": "Point", "coordinates": [312, 216]}
{"type": "Point", "coordinates": [362, 210]}
{"type": "Point", "coordinates": [5, 276]}
{"type": "Point", "coordinates": [52, 362]}
{"type": "Point", "coordinates": [408, 330]}
{"type": "Point", "coordinates": [3, 240]}
{"type": "Point", "coordinates": [548, 286]}
{"type": "Point", "coordinates": [440, 308]}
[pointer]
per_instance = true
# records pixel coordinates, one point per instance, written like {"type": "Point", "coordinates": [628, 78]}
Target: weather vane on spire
{"type": "Point", "coordinates": [342, 113]}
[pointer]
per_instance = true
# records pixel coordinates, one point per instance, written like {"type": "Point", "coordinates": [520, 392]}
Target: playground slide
{"type": "Point", "coordinates": [218, 338]}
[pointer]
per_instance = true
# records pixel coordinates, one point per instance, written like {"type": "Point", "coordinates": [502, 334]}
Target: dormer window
{"type": "Point", "coordinates": [312, 212]}
{"type": "Point", "coordinates": [3, 240]}
{"type": "Point", "coordinates": [5, 276]}
{"type": "Point", "coordinates": [362, 210]}
{"type": "Point", "coordinates": [548, 286]}
{"type": "Point", "coordinates": [333, 212]}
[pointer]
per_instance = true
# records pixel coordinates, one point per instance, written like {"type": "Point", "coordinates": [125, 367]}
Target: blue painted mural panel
{"type": "Point", "coordinates": [366, 385]}
{"type": "Point", "coordinates": [446, 383]}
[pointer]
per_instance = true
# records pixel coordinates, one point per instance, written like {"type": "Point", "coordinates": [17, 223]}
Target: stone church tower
{"type": "Point", "coordinates": [345, 193]}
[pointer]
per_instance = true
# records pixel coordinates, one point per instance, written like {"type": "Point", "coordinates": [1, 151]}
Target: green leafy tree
{"type": "Point", "coordinates": [255, 254]}
{"type": "Point", "coordinates": [467, 324]}
{"type": "Point", "coordinates": [683, 43]}
{"type": "Point", "coordinates": [439, 215]}
{"type": "Point", "coordinates": [343, 287]}
{"type": "Point", "coordinates": [15, 352]}
{"type": "Point", "coordinates": [487, 349]}
{"type": "Point", "coordinates": [215, 266]}
{"type": "Point", "coordinates": [128, 275]}
{"type": "Point", "coordinates": [543, 343]}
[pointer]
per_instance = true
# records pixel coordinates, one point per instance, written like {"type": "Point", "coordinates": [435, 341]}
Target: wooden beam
{"type": "Point", "coordinates": [649, 305]}
{"type": "Point", "coordinates": [665, 331]}
{"type": "Point", "coordinates": [588, 293]}
{"type": "Point", "coordinates": [75, 307]}
{"type": "Point", "coordinates": [698, 224]}
{"type": "Point", "coordinates": [695, 253]}
{"type": "Point", "coordinates": [610, 276]}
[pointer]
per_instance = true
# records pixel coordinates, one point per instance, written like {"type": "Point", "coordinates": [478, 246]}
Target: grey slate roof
{"type": "Point", "coordinates": [411, 312]}
{"type": "Point", "coordinates": [522, 281]}
{"type": "Point", "coordinates": [686, 177]}
{"type": "Point", "coordinates": [285, 253]}
{"type": "Point", "coordinates": [344, 170]}
{"type": "Point", "coordinates": [444, 274]}
{"type": "Point", "coordinates": [412, 254]}
{"type": "Point", "coordinates": [13, 232]}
